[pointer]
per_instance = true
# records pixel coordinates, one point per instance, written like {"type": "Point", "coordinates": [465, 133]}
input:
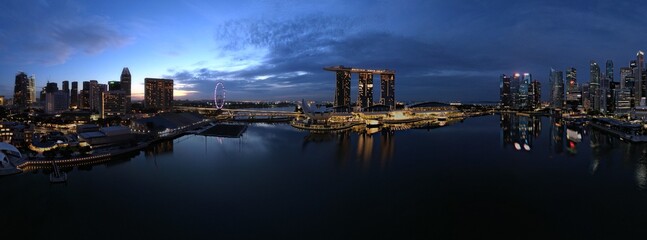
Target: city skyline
{"type": "Point", "coordinates": [275, 50]}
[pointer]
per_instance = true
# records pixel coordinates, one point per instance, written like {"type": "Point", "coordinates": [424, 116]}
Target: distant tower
{"type": "Point", "coordinates": [66, 91]}
{"type": "Point", "coordinates": [31, 88]}
{"type": "Point", "coordinates": [74, 95]}
{"type": "Point", "coordinates": [557, 88]}
{"type": "Point", "coordinates": [639, 82]}
{"type": "Point", "coordinates": [125, 86]}
{"type": "Point", "coordinates": [573, 92]}
{"type": "Point", "coordinates": [594, 86]}
{"type": "Point", "coordinates": [514, 90]}
{"type": "Point", "coordinates": [365, 90]}
{"type": "Point", "coordinates": [504, 91]}
{"type": "Point", "coordinates": [21, 93]}
{"type": "Point", "coordinates": [609, 70]}
{"type": "Point", "coordinates": [387, 85]}
{"type": "Point", "coordinates": [342, 91]}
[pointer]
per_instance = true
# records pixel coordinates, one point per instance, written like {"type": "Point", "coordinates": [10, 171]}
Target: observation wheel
{"type": "Point", "coordinates": [219, 95]}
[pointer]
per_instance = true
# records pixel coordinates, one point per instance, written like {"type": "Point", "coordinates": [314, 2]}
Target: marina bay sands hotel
{"type": "Point", "coordinates": [365, 96]}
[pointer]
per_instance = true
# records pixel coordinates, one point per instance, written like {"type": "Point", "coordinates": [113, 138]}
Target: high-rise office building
{"type": "Point", "coordinates": [573, 93]}
{"type": "Point", "coordinates": [365, 90]}
{"type": "Point", "coordinates": [594, 86]}
{"type": "Point", "coordinates": [514, 90]}
{"type": "Point", "coordinates": [504, 91]}
{"type": "Point", "coordinates": [21, 93]}
{"type": "Point", "coordinates": [114, 85]}
{"type": "Point", "coordinates": [158, 93]}
{"type": "Point", "coordinates": [523, 102]}
{"type": "Point", "coordinates": [125, 84]}
{"type": "Point", "coordinates": [535, 94]}
{"type": "Point", "coordinates": [387, 93]}
{"type": "Point", "coordinates": [94, 96]}
{"type": "Point", "coordinates": [84, 96]}
{"type": "Point", "coordinates": [639, 82]}
{"type": "Point", "coordinates": [557, 88]}
{"type": "Point", "coordinates": [625, 73]}
{"type": "Point", "coordinates": [74, 95]}
{"type": "Point", "coordinates": [609, 70]}
{"type": "Point", "coordinates": [66, 91]}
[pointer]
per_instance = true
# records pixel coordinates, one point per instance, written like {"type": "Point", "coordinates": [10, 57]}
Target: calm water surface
{"type": "Point", "coordinates": [501, 176]}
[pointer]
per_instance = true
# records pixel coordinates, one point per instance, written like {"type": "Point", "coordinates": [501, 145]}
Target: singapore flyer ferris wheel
{"type": "Point", "coordinates": [219, 95]}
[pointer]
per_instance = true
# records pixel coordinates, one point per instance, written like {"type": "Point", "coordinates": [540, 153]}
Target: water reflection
{"type": "Point", "coordinates": [519, 131]}
{"type": "Point", "coordinates": [364, 140]}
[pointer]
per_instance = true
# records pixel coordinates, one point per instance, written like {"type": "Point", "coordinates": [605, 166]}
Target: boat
{"type": "Point", "coordinates": [371, 123]}
{"type": "Point", "coordinates": [57, 176]}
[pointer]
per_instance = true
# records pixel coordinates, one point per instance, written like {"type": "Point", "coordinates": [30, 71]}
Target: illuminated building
{"type": "Point", "coordinates": [535, 94]}
{"type": "Point", "coordinates": [639, 81]}
{"type": "Point", "coordinates": [23, 91]}
{"type": "Point", "coordinates": [514, 90]}
{"type": "Point", "coordinates": [84, 96]}
{"type": "Point", "coordinates": [114, 86]}
{"type": "Point", "coordinates": [94, 95]}
{"type": "Point", "coordinates": [504, 91]}
{"type": "Point", "coordinates": [113, 103]}
{"type": "Point", "coordinates": [523, 101]}
{"type": "Point", "coordinates": [365, 90]}
{"type": "Point", "coordinates": [1, 100]}
{"type": "Point", "coordinates": [365, 98]}
{"type": "Point", "coordinates": [387, 85]}
{"type": "Point", "coordinates": [158, 93]}
{"type": "Point", "coordinates": [594, 87]}
{"type": "Point", "coordinates": [573, 93]}
{"type": "Point", "coordinates": [74, 95]}
{"type": "Point", "coordinates": [557, 88]}
{"type": "Point", "coordinates": [125, 84]}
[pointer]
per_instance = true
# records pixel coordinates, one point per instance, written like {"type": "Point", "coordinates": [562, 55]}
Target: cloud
{"type": "Point", "coordinates": [457, 53]}
{"type": "Point", "coordinates": [49, 33]}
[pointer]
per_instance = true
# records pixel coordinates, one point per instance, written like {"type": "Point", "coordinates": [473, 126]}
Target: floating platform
{"type": "Point", "coordinates": [225, 130]}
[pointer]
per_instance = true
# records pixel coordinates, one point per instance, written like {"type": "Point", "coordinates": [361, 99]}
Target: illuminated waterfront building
{"type": "Point", "coordinates": [594, 87]}
{"type": "Point", "coordinates": [535, 94]}
{"type": "Point", "coordinates": [365, 97]}
{"type": "Point", "coordinates": [573, 93]}
{"type": "Point", "coordinates": [514, 90]}
{"type": "Point", "coordinates": [639, 81]}
{"type": "Point", "coordinates": [504, 91]}
{"type": "Point", "coordinates": [557, 89]}
{"type": "Point", "coordinates": [158, 93]}
{"type": "Point", "coordinates": [365, 90]}
{"type": "Point", "coordinates": [387, 93]}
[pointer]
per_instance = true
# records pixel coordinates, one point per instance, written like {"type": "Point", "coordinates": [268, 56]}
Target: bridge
{"type": "Point", "coordinates": [241, 113]}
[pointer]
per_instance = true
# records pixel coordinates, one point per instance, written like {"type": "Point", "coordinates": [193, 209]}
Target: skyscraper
{"type": "Point", "coordinates": [639, 82]}
{"type": "Point", "coordinates": [524, 87]}
{"type": "Point", "coordinates": [504, 91]}
{"type": "Point", "coordinates": [557, 88]}
{"type": "Point", "coordinates": [342, 90]}
{"type": "Point", "coordinates": [21, 93]}
{"type": "Point", "coordinates": [114, 86]}
{"type": "Point", "coordinates": [609, 70]}
{"type": "Point", "coordinates": [66, 91]}
{"type": "Point", "coordinates": [514, 90]}
{"type": "Point", "coordinates": [74, 95]}
{"type": "Point", "coordinates": [158, 93]}
{"type": "Point", "coordinates": [84, 96]}
{"type": "Point", "coordinates": [573, 93]}
{"type": "Point", "coordinates": [594, 86]}
{"type": "Point", "coordinates": [125, 79]}
{"type": "Point", "coordinates": [387, 93]}
{"type": "Point", "coordinates": [365, 90]}
{"type": "Point", "coordinates": [535, 96]}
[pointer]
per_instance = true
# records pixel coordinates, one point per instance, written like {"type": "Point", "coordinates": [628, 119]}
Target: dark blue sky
{"type": "Point", "coordinates": [274, 50]}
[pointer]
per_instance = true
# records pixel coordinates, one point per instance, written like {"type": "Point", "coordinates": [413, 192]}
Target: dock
{"type": "Point", "coordinates": [225, 130]}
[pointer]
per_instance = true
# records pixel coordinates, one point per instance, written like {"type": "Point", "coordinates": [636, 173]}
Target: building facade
{"type": "Point", "coordinates": [158, 94]}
